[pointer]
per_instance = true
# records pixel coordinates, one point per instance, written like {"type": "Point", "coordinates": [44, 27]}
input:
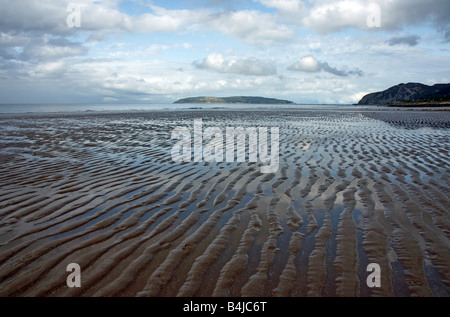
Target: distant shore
{"type": "Point", "coordinates": [233, 100]}
{"type": "Point", "coordinates": [420, 104]}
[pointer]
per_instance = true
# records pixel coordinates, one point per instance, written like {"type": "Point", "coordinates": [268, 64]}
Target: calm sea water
{"type": "Point", "coordinates": [69, 108]}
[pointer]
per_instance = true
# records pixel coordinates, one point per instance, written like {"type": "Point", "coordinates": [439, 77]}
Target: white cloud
{"type": "Point", "coordinates": [105, 18]}
{"type": "Point", "coordinates": [332, 16]}
{"type": "Point", "coordinates": [163, 20]}
{"type": "Point", "coordinates": [244, 66]}
{"type": "Point", "coordinates": [253, 27]}
{"type": "Point", "coordinates": [328, 16]}
{"type": "Point", "coordinates": [355, 98]}
{"type": "Point", "coordinates": [309, 64]}
{"type": "Point", "coordinates": [113, 54]}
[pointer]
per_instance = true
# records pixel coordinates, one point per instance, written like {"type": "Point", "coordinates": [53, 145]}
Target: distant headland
{"type": "Point", "coordinates": [234, 100]}
{"type": "Point", "coordinates": [410, 95]}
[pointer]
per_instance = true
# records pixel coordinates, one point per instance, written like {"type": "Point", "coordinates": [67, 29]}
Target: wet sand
{"type": "Point", "coordinates": [100, 189]}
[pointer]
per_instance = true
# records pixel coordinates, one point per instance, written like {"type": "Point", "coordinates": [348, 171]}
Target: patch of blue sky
{"type": "Point", "coordinates": [227, 5]}
{"type": "Point", "coordinates": [134, 8]}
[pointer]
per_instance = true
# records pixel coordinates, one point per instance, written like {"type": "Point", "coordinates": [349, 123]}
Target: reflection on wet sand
{"type": "Point", "coordinates": [101, 190]}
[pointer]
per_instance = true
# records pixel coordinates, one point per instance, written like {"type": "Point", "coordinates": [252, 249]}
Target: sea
{"type": "Point", "coordinates": [77, 108]}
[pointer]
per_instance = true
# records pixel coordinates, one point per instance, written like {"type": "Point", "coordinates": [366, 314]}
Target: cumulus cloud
{"type": "Point", "coordinates": [243, 66]}
{"type": "Point", "coordinates": [329, 16]}
{"type": "Point", "coordinates": [139, 80]}
{"type": "Point", "coordinates": [252, 27]}
{"type": "Point", "coordinates": [333, 16]}
{"type": "Point", "coordinates": [411, 40]}
{"type": "Point", "coordinates": [34, 15]}
{"type": "Point", "coordinates": [38, 48]}
{"type": "Point", "coordinates": [164, 20]}
{"type": "Point", "coordinates": [104, 18]}
{"type": "Point", "coordinates": [309, 64]}
{"type": "Point", "coordinates": [52, 49]}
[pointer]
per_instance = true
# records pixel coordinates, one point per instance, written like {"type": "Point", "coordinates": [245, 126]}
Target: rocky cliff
{"type": "Point", "coordinates": [412, 92]}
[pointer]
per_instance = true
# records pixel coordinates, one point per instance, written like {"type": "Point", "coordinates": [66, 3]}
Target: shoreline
{"type": "Point", "coordinates": [124, 109]}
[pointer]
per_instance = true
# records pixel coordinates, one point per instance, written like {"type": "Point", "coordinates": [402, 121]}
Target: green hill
{"type": "Point", "coordinates": [234, 100]}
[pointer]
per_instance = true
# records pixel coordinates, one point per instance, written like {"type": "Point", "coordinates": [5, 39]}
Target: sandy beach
{"type": "Point", "coordinates": [101, 190]}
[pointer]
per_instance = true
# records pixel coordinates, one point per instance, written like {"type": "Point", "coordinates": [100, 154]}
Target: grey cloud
{"type": "Point", "coordinates": [52, 50]}
{"type": "Point", "coordinates": [34, 16]}
{"type": "Point", "coordinates": [309, 64]}
{"type": "Point", "coordinates": [335, 15]}
{"type": "Point", "coordinates": [27, 48]}
{"type": "Point", "coordinates": [411, 40]}
{"type": "Point", "coordinates": [356, 72]}
{"type": "Point", "coordinates": [36, 31]}
{"type": "Point", "coordinates": [447, 36]}
{"type": "Point", "coordinates": [11, 45]}
{"type": "Point", "coordinates": [50, 17]}
{"type": "Point", "coordinates": [327, 68]}
{"type": "Point", "coordinates": [251, 26]}
{"type": "Point", "coordinates": [99, 20]}
{"type": "Point", "coordinates": [8, 53]}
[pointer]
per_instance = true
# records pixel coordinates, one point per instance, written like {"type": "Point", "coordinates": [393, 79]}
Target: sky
{"type": "Point", "coordinates": [325, 51]}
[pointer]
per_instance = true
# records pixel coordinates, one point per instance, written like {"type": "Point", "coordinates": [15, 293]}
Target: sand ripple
{"type": "Point", "coordinates": [101, 190]}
